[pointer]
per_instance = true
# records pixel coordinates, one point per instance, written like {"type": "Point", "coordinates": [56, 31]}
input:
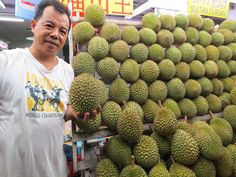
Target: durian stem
{"type": "Point", "coordinates": [132, 160]}
{"type": "Point", "coordinates": [186, 119]}
{"type": "Point", "coordinates": [172, 159]}
{"type": "Point", "coordinates": [151, 127]}
{"type": "Point", "coordinates": [211, 114]}
{"type": "Point", "coordinates": [160, 104]}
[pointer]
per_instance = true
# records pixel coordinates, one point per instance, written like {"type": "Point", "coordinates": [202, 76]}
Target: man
{"type": "Point", "coordinates": [34, 86]}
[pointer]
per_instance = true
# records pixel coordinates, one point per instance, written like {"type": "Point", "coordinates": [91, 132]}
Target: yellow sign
{"type": "Point", "coordinates": [214, 8]}
{"type": "Point", "coordinates": [112, 7]}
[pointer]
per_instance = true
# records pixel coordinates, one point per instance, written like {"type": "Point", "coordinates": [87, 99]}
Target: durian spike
{"type": "Point", "coordinates": [160, 104]}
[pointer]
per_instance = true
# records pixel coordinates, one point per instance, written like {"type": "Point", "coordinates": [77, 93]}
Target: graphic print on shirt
{"type": "Point", "coordinates": [43, 95]}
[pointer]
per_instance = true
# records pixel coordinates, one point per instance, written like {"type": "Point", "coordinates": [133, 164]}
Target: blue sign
{"type": "Point", "coordinates": [26, 8]}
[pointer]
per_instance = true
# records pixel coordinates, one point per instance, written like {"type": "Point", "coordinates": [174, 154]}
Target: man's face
{"type": "Point", "coordinates": [50, 31]}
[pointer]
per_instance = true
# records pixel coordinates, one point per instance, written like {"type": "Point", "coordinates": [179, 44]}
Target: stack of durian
{"type": "Point", "coordinates": [173, 67]}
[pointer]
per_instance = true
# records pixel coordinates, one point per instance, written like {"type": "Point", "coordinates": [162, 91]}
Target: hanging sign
{"type": "Point", "coordinates": [26, 8]}
{"type": "Point", "coordinates": [214, 8]}
{"type": "Point", "coordinates": [111, 7]}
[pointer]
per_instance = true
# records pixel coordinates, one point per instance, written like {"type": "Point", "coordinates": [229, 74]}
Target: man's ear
{"type": "Point", "coordinates": [33, 24]}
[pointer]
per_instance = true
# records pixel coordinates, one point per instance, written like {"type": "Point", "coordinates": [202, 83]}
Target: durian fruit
{"type": "Point", "coordinates": [201, 54]}
{"type": "Point", "coordinates": [211, 69]}
{"type": "Point", "coordinates": [179, 35]}
{"type": "Point", "coordinates": [182, 71]}
{"type": "Point", "coordinates": [129, 71]}
{"type": "Point", "coordinates": [188, 52]}
{"type": "Point", "coordinates": [222, 128]}
{"type": "Point", "coordinates": [210, 144]}
{"type": "Point", "coordinates": [193, 88]}
{"type": "Point", "coordinates": [217, 39]}
{"type": "Point", "coordinates": [119, 91]}
{"type": "Point", "coordinates": [186, 126]}
{"type": "Point", "coordinates": [165, 122]}
{"type": "Point", "coordinates": [181, 21]}
{"type": "Point", "coordinates": [187, 107]}
{"type": "Point", "coordinates": [228, 35]}
{"type": "Point", "coordinates": [157, 91]}
{"type": "Point", "coordinates": [232, 46]}
{"type": "Point", "coordinates": [147, 36]}
{"type": "Point", "coordinates": [107, 69]}
{"type": "Point", "coordinates": [202, 105]}
{"type": "Point", "coordinates": [105, 168]}
{"type": "Point", "coordinates": [228, 84]}
{"type": "Point", "coordinates": [214, 103]}
{"type": "Point", "coordinates": [156, 52]}
{"type": "Point", "coordinates": [133, 170]}
{"type": "Point", "coordinates": [232, 66]}
{"type": "Point", "coordinates": [225, 53]}
{"type": "Point", "coordinates": [203, 167]}
{"type": "Point", "coordinates": [104, 94]}
{"type": "Point", "coordinates": [208, 25]}
{"type": "Point", "coordinates": [218, 87]}
{"type": "Point", "coordinates": [134, 106]}
{"type": "Point", "coordinates": [172, 105]}
{"type": "Point", "coordinates": [167, 69]}
{"type": "Point", "coordinates": [146, 152]}
{"type": "Point", "coordinates": [225, 99]}
{"type": "Point", "coordinates": [165, 38]}
{"type": "Point", "coordinates": [98, 47]}
{"type": "Point", "coordinates": [223, 69]}
{"type": "Point", "coordinates": [232, 150]}
{"type": "Point", "coordinates": [159, 170]}
{"type": "Point", "coordinates": [197, 69]}
{"type": "Point", "coordinates": [85, 93]}
{"type": "Point", "coordinates": [192, 35]}
{"type": "Point", "coordinates": [162, 143]}
{"type": "Point", "coordinates": [118, 151]}
{"type": "Point", "coordinates": [152, 21]}
{"type": "Point", "coordinates": [178, 170]}
{"type": "Point", "coordinates": [195, 20]}
{"type": "Point", "coordinates": [206, 86]}
{"type": "Point", "coordinates": [91, 125]}
{"type": "Point", "coordinates": [139, 52]}
{"type": "Point", "coordinates": [228, 24]}
{"type": "Point", "coordinates": [110, 31]}
{"type": "Point", "coordinates": [176, 89]}
{"type": "Point", "coordinates": [204, 38]}
{"type": "Point", "coordinates": [139, 91]}
{"type": "Point", "coordinates": [212, 53]}
{"type": "Point", "coordinates": [83, 32]}
{"type": "Point", "coordinates": [174, 54]}
{"type": "Point", "coordinates": [130, 126]}
{"type": "Point", "coordinates": [184, 148]}
{"type": "Point", "coordinates": [119, 50]}
{"type": "Point", "coordinates": [111, 111]}
{"type": "Point", "coordinates": [149, 71]}
{"type": "Point", "coordinates": [233, 96]}
{"type": "Point", "coordinates": [130, 35]}
{"type": "Point", "coordinates": [95, 15]}
{"type": "Point", "coordinates": [224, 166]}
{"type": "Point", "coordinates": [229, 114]}
{"type": "Point", "coordinates": [150, 109]}
{"type": "Point", "coordinates": [83, 63]}
{"type": "Point", "coordinates": [167, 22]}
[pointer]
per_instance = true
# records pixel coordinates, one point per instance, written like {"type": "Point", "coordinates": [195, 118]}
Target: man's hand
{"type": "Point", "coordinates": [71, 114]}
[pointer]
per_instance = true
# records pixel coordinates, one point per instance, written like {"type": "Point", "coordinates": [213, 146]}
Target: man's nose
{"type": "Point", "coordinates": [55, 33]}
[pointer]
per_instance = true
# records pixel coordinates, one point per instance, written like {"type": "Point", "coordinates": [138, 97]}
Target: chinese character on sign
{"type": "Point", "coordinates": [122, 6]}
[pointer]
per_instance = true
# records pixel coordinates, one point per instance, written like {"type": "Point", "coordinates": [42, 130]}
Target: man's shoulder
{"type": "Point", "coordinates": [14, 52]}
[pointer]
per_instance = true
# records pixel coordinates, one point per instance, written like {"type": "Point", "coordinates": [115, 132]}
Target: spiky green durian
{"type": "Point", "coordinates": [110, 31]}
{"type": "Point", "coordinates": [192, 35]}
{"type": "Point", "coordinates": [188, 52]}
{"type": "Point", "coordinates": [156, 52]}
{"type": "Point", "coordinates": [167, 69]}
{"type": "Point", "coordinates": [176, 89]}
{"type": "Point", "coordinates": [83, 32]}
{"type": "Point", "coordinates": [139, 52]}
{"type": "Point", "coordinates": [208, 25]}
{"type": "Point", "coordinates": [130, 35]}
{"type": "Point", "coordinates": [151, 20]}
{"type": "Point", "coordinates": [179, 35]}
{"type": "Point", "coordinates": [187, 107]}
{"type": "Point", "coordinates": [212, 53]}
{"type": "Point", "coordinates": [119, 50]}
{"type": "Point", "coordinates": [223, 69]}
{"type": "Point", "coordinates": [182, 71]}
{"type": "Point", "coordinates": [217, 39]}
{"type": "Point", "coordinates": [204, 38]}
{"type": "Point", "coordinates": [149, 71]}
{"type": "Point", "coordinates": [174, 54]}
{"type": "Point", "coordinates": [225, 53]}
{"type": "Point", "coordinates": [139, 91]}
{"type": "Point", "coordinates": [197, 69]}
{"type": "Point", "coordinates": [181, 21]}
{"type": "Point", "coordinates": [228, 24]}
{"type": "Point", "coordinates": [165, 38]}
{"type": "Point", "coordinates": [214, 103]}
{"type": "Point", "coordinates": [150, 109]}
{"type": "Point", "coordinates": [167, 22]}
{"type": "Point", "coordinates": [147, 36]}
{"type": "Point", "coordinates": [105, 168]}
{"type": "Point", "coordinates": [218, 86]}
{"type": "Point", "coordinates": [157, 91]}
{"type": "Point", "coordinates": [129, 71]}
{"type": "Point", "coordinates": [201, 105]}
{"type": "Point", "coordinates": [193, 88]}
{"type": "Point", "coordinates": [228, 35]}
{"type": "Point", "coordinates": [95, 15]}
{"type": "Point", "coordinates": [206, 86]}
{"type": "Point", "coordinates": [201, 54]}
{"type": "Point", "coordinates": [98, 47]}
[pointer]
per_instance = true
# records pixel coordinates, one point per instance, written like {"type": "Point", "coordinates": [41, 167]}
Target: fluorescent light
{"type": "Point", "coordinates": [11, 19]}
{"type": "Point", "coordinates": [2, 5]}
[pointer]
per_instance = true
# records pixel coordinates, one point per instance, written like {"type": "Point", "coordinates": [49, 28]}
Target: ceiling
{"type": "Point", "coordinates": [16, 32]}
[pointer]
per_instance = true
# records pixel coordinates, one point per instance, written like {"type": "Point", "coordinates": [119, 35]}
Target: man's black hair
{"type": "Point", "coordinates": [54, 3]}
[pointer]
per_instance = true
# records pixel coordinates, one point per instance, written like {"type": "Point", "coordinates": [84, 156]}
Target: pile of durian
{"type": "Point", "coordinates": [173, 67]}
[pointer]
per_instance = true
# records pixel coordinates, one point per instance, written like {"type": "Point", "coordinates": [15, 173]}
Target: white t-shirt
{"type": "Point", "coordinates": [33, 101]}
